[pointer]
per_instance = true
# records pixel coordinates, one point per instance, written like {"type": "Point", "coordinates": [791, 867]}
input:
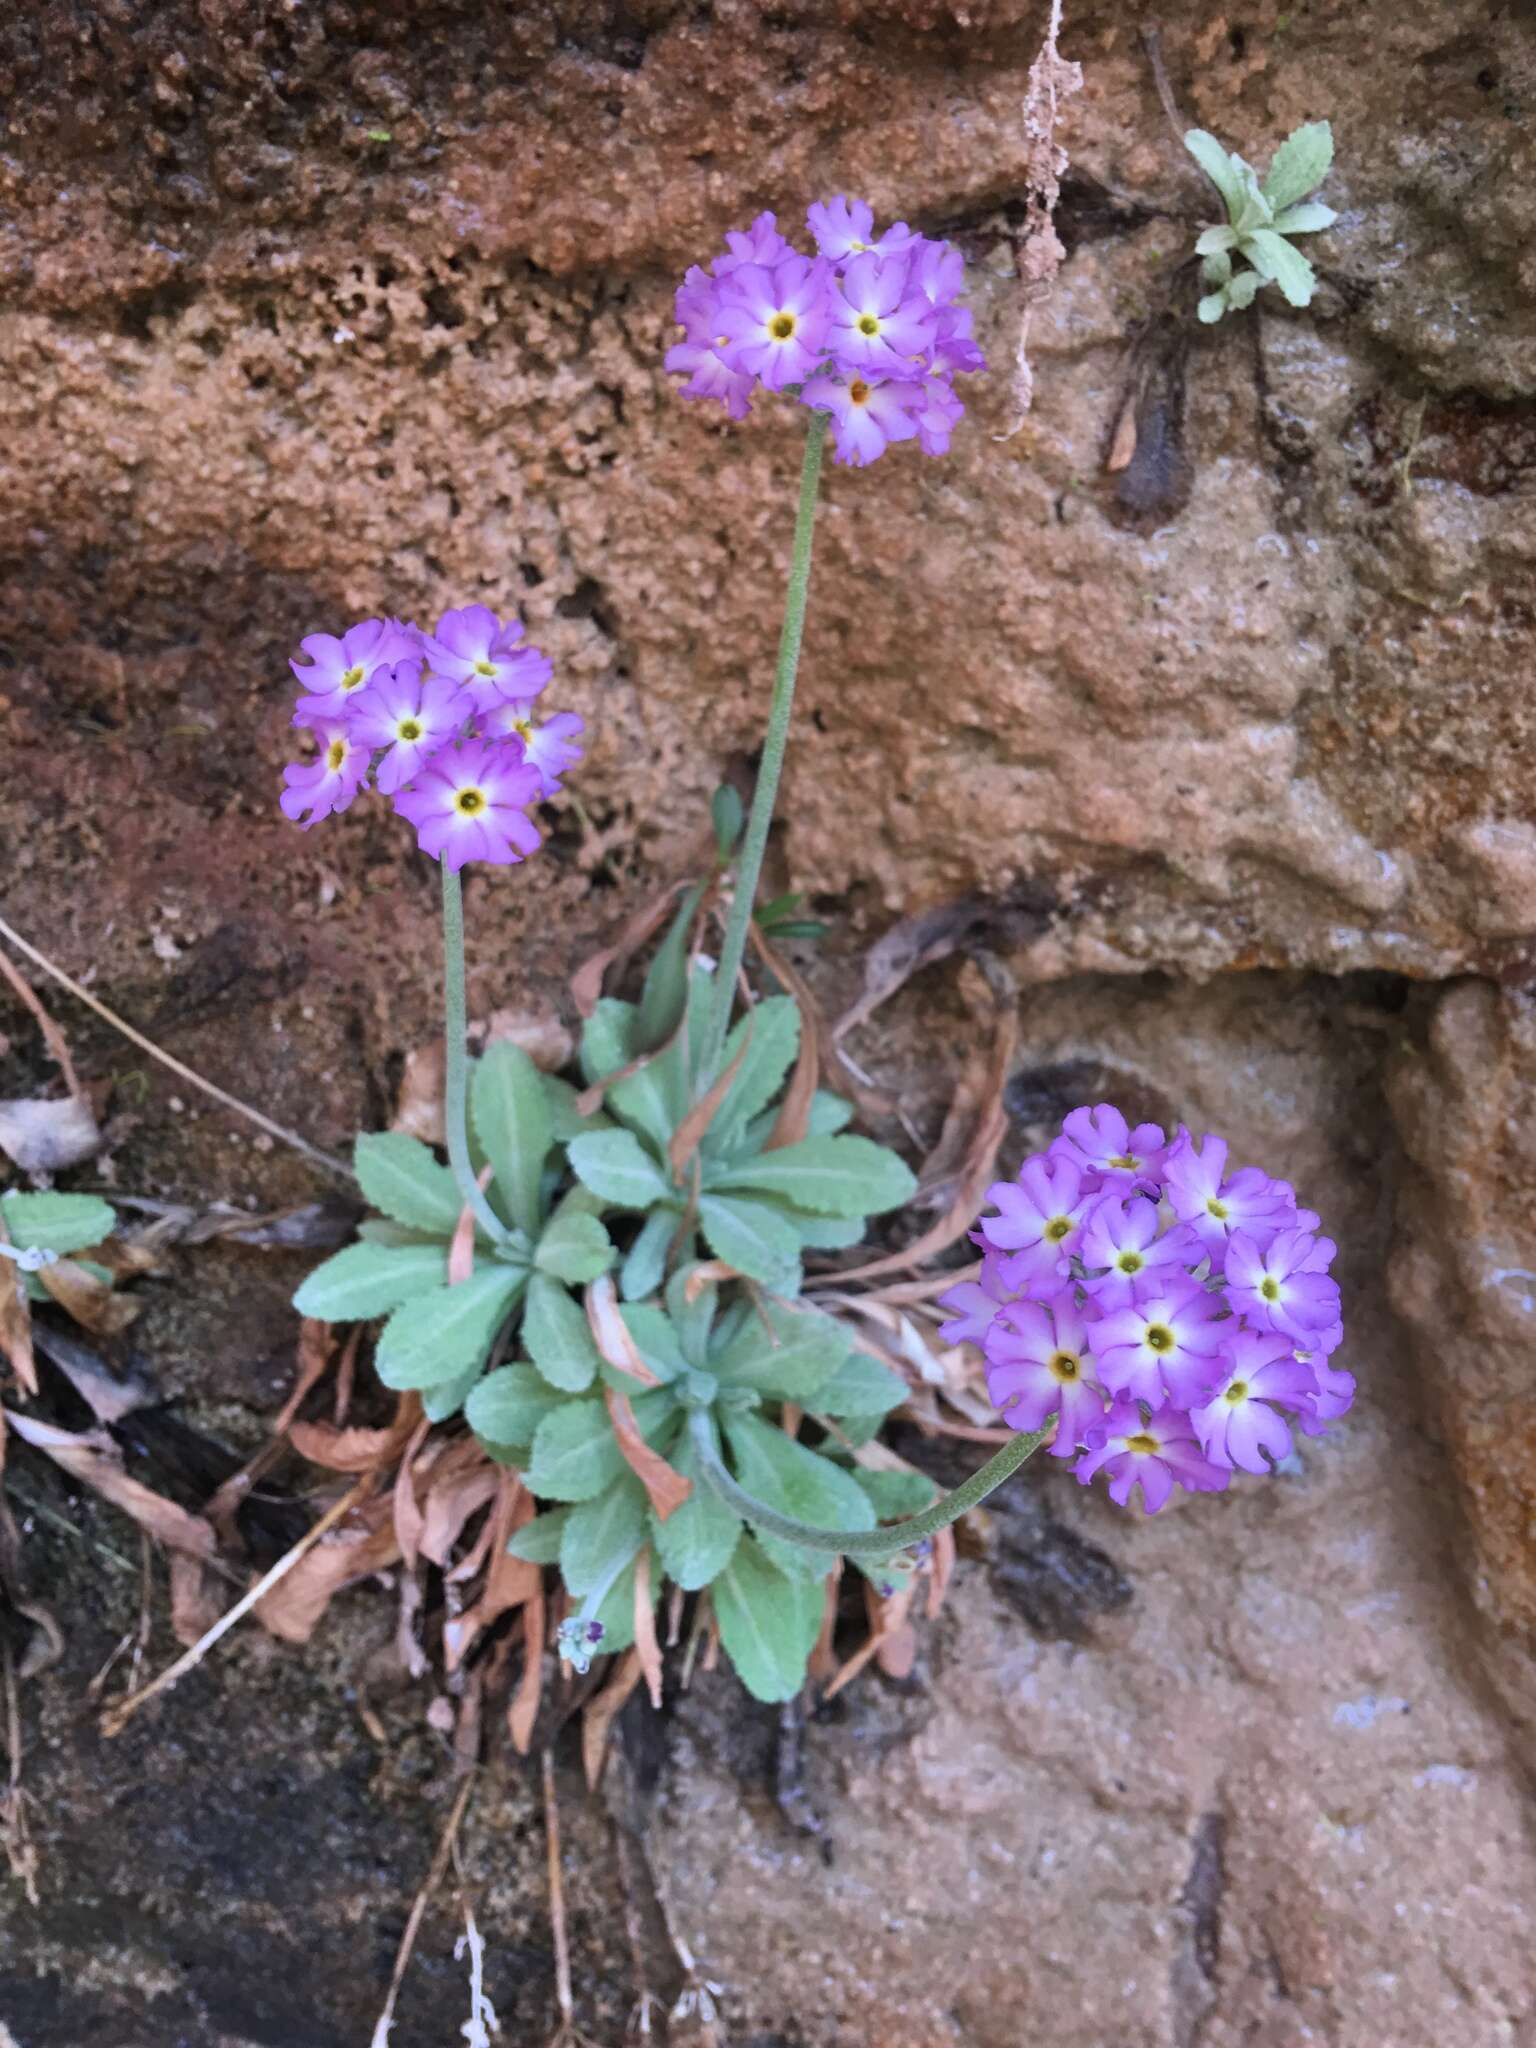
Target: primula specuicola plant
{"type": "Point", "coordinates": [635, 1246]}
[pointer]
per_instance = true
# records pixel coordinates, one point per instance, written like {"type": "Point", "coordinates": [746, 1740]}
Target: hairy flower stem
{"type": "Point", "coordinates": [750, 863]}
{"type": "Point", "coordinates": [456, 1061]}
{"type": "Point", "coordinates": [872, 1543]}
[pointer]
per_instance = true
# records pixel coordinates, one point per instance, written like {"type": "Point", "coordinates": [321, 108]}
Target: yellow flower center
{"type": "Point", "coordinates": [782, 326]}
{"type": "Point", "coordinates": [335, 754]}
{"type": "Point", "coordinates": [1270, 1289]}
{"type": "Point", "coordinates": [868, 324]}
{"type": "Point", "coordinates": [1159, 1337]}
{"type": "Point", "coordinates": [1127, 1160]}
{"type": "Point", "coordinates": [1130, 1262]}
{"type": "Point", "coordinates": [351, 677]}
{"type": "Point", "coordinates": [485, 668]}
{"type": "Point", "coordinates": [1237, 1392]}
{"type": "Point", "coordinates": [1143, 1443]}
{"type": "Point", "coordinates": [1217, 1209]}
{"type": "Point", "coordinates": [1062, 1365]}
{"type": "Point", "coordinates": [1059, 1226]}
{"type": "Point", "coordinates": [469, 801]}
{"type": "Point", "coordinates": [408, 729]}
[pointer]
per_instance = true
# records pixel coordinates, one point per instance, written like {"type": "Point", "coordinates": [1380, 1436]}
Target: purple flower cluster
{"type": "Point", "coordinates": [443, 721]}
{"type": "Point", "coordinates": [868, 329]}
{"type": "Point", "coordinates": [1163, 1310]}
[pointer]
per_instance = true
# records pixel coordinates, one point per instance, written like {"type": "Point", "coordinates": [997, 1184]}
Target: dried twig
{"type": "Point", "coordinates": [1041, 254]}
{"type": "Point", "coordinates": [565, 2034]}
{"type": "Point", "coordinates": [435, 1875]}
{"type": "Point", "coordinates": [53, 1037]}
{"type": "Point", "coordinates": [117, 1717]}
{"type": "Point", "coordinates": [184, 1073]}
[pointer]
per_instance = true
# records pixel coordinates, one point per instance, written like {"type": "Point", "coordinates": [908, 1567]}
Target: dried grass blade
{"type": "Point", "coordinates": [586, 983]}
{"type": "Point", "coordinates": [689, 1134]}
{"type": "Point", "coordinates": [665, 1488]}
{"type": "Point", "coordinates": [647, 1648]}
{"type": "Point", "coordinates": [598, 1716]}
{"type": "Point", "coordinates": [610, 1333]}
{"type": "Point", "coordinates": [94, 1459]}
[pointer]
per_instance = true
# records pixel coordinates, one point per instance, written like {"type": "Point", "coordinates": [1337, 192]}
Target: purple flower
{"type": "Point", "coordinates": [1038, 1365]}
{"type": "Point", "coordinates": [938, 270]}
{"type": "Point", "coordinates": [1281, 1287]}
{"type": "Point", "coordinates": [698, 314]}
{"type": "Point", "coordinates": [1100, 1141]}
{"type": "Point", "coordinates": [1039, 1221]}
{"type": "Point", "coordinates": [468, 803]}
{"type": "Point", "coordinates": [846, 227]}
{"type": "Point", "coordinates": [475, 648]}
{"type": "Point", "coordinates": [1214, 1206]}
{"type": "Point", "coordinates": [329, 782]}
{"type": "Point", "coordinates": [975, 1303]}
{"type": "Point", "coordinates": [1238, 1425]}
{"type": "Point", "coordinates": [1163, 1348]}
{"type": "Point", "coordinates": [879, 327]}
{"type": "Point", "coordinates": [938, 412]}
{"type": "Point", "coordinates": [338, 669]}
{"type": "Point", "coordinates": [1333, 1395]}
{"type": "Point", "coordinates": [1124, 1255]}
{"type": "Point", "coordinates": [411, 714]}
{"type": "Point", "coordinates": [550, 748]}
{"type": "Point", "coordinates": [866, 417]}
{"type": "Point", "coordinates": [954, 346]}
{"type": "Point", "coordinates": [1158, 1450]}
{"type": "Point", "coordinates": [762, 244]}
{"type": "Point", "coordinates": [774, 321]}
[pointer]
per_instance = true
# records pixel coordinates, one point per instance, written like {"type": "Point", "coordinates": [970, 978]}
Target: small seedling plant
{"type": "Point", "coordinates": [1262, 216]}
{"type": "Point", "coordinates": [606, 1280]}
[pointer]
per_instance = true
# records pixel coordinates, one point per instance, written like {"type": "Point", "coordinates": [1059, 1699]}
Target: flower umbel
{"type": "Point", "coordinates": [469, 803]}
{"type": "Point", "coordinates": [1174, 1319]}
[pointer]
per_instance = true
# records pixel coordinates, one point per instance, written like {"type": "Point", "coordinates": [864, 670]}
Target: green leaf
{"type": "Point", "coordinates": [692, 1319]}
{"type": "Point", "coordinates": [1256, 211]}
{"type": "Point", "coordinates": [1240, 292]}
{"type": "Point", "coordinates": [1219, 168]}
{"type": "Point", "coordinates": [565, 1120]}
{"type": "Point", "coordinates": [56, 1223]}
{"type": "Point", "coordinates": [443, 1401]}
{"type": "Point", "coordinates": [1212, 306]}
{"type": "Point", "coordinates": [696, 1540]}
{"type": "Point", "coordinates": [539, 1540]}
{"type": "Point", "coordinates": [655, 1340]}
{"type": "Point", "coordinates": [371, 1279]}
{"type": "Point", "coordinates": [826, 1233]}
{"type": "Point", "coordinates": [574, 1248]}
{"type": "Point", "coordinates": [602, 1533]}
{"type": "Point", "coordinates": [400, 1176]}
{"type": "Point", "coordinates": [1217, 269]}
{"type": "Point", "coordinates": [1273, 257]}
{"type": "Point", "coordinates": [575, 1452]}
{"type": "Point", "coordinates": [754, 1237]}
{"type": "Point", "coordinates": [1214, 241]}
{"type": "Point", "coordinates": [440, 1335]}
{"type": "Point", "coordinates": [829, 1176]}
{"type": "Point", "coordinates": [514, 1125]}
{"type": "Point", "coordinates": [775, 1040]}
{"type": "Point", "coordinates": [809, 1350]}
{"type": "Point", "coordinates": [768, 1623]}
{"type": "Point", "coordinates": [1301, 163]}
{"type": "Point", "coordinates": [861, 1386]}
{"type": "Point", "coordinates": [605, 1039]}
{"type": "Point", "coordinates": [829, 1114]}
{"type": "Point", "coordinates": [645, 1263]}
{"type": "Point", "coordinates": [508, 1405]}
{"type": "Point", "coordinates": [1305, 220]}
{"type": "Point", "coordinates": [787, 1475]}
{"type": "Point", "coordinates": [557, 1338]}
{"type": "Point", "coordinates": [617, 1611]}
{"type": "Point", "coordinates": [380, 1230]}
{"type": "Point", "coordinates": [665, 994]}
{"type": "Point", "coordinates": [616, 1166]}
{"type": "Point", "coordinates": [895, 1495]}
{"type": "Point", "coordinates": [725, 809]}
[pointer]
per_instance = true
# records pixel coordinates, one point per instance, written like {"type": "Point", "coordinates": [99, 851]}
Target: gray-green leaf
{"type": "Point", "coordinates": [1219, 168]}
{"type": "Point", "coordinates": [829, 1176]}
{"type": "Point", "coordinates": [861, 1386]}
{"type": "Point", "coordinates": [798, 1367]}
{"type": "Point", "coordinates": [656, 1341]}
{"type": "Point", "coordinates": [696, 1540]}
{"type": "Point", "coordinates": [575, 1452]}
{"type": "Point", "coordinates": [509, 1404]}
{"type": "Point", "coordinates": [602, 1535]}
{"type": "Point", "coordinates": [513, 1123]}
{"type": "Point", "coordinates": [786, 1475]}
{"type": "Point", "coordinates": [754, 1237]}
{"type": "Point", "coordinates": [56, 1223]}
{"type": "Point", "coordinates": [1301, 163]}
{"type": "Point", "coordinates": [400, 1176]}
{"type": "Point", "coordinates": [768, 1623]}
{"type": "Point", "coordinates": [539, 1540]}
{"type": "Point", "coordinates": [440, 1335]}
{"type": "Point", "coordinates": [895, 1495]}
{"type": "Point", "coordinates": [775, 1039]}
{"type": "Point", "coordinates": [645, 1262]}
{"type": "Point", "coordinates": [1305, 220]}
{"type": "Point", "coordinates": [1273, 257]}
{"type": "Point", "coordinates": [371, 1279]}
{"type": "Point", "coordinates": [616, 1166]}
{"type": "Point", "coordinates": [557, 1338]}
{"type": "Point", "coordinates": [574, 1248]}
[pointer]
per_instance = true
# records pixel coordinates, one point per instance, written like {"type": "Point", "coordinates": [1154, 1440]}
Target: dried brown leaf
{"type": "Point", "coordinates": [419, 1104]}
{"type": "Point", "coordinates": [16, 1325]}
{"type": "Point", "coordinates": [601, 1709]}
{"type": "Point", "coordinates": [524, 1709]}
{"type": "Point", "coordinates": [293, 1608]}
{"type": "Point", "coordinates": [92, 1303]}
{"type": "Point", "coordinates": [195, 1601]}
{"type": "Point", "coordinates": [537, 1032]}
{"type": "Point", "coordinates": [647, 1647]}
{"type": "Point", "coordinates": [689, 1134]}
{"type": "Point", "coordinates": [408, 1516]}
{"type": "Point", "coordinates": [53, 1037]}
{"type": "Point", "coordinates": [838, 1071]}
{"type": "Point", "coordinates": [94, 1459]}
{"type": "Point", "coordinates": [452, 1500]}
{"type": "Point", "coordinates": [110, 1395]}
{"type": "Point", "coordinates": [587, 981]}
{"type": "Point", "coordinates": [666, 1489]}
{"type": "Point", "coordinates": [610, 1333]}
